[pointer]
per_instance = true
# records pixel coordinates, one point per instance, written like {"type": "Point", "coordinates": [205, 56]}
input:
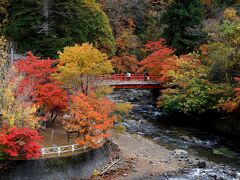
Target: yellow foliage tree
{"type": "Point", "coordinates": [14, 111]}
{"type": "Point", "coordinates": [230, 14]}
{"type": "Point", "coordinates": [79, 63]}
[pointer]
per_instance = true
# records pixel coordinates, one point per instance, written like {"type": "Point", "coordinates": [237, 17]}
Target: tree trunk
{"type": "Point", "coordinates": [53, 120]}
{"type": "Point", "coordinates": [46, 15]}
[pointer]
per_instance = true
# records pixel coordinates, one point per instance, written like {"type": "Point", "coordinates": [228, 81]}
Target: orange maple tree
{"type": "Point", "coordinates": [91, 117]}
{"type": "Point", "coordinates": [232, 105]}
{"type": "Point", "coordinates": [122, 64]}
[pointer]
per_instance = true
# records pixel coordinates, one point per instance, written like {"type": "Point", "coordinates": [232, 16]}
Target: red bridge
{"type": "Point", "coordinates": [133, 81]}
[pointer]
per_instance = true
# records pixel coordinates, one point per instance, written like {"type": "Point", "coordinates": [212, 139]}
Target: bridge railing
{"type": "Point", "coordinates": [123, 77]}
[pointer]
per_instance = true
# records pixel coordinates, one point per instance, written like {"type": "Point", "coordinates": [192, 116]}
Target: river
{"type": "Point", "coordinates": [147, 120]}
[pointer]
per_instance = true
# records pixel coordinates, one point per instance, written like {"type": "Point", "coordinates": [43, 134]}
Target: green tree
{"type": "Point", "coordinates": [182, 19]}
{"type": "Point", "coordinates": [3, 11]}
{"type": "Point", "coordinates": [223, 51]}
{"type": "Point", "coordinates": [188, 89]}
{"type": "Point", "coordinates": [45, 27]}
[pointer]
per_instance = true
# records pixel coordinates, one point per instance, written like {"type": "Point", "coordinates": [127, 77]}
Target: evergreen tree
{"type": "Point", "coordinates": [3, 5]}
{"type": "Point", "coordinates": [46, 26]}
{"type": "Point", "coordinates": [182, 20]}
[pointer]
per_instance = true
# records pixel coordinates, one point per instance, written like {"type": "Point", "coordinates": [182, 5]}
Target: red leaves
{"type": "Point", "coordinates": [128, 63]}
{"type": "Point", "coordinates": [233, 104]}
{"type": "Point", "coordinates": [21, 143]}
{"type": "Point", "coordinates": [37, 77]}
{"type": "Point", "coordinates": [52, 96]}
{"type": "Point", "coordinates": [158, 62]}
{"type": "Point", "coordinates": [229, 106]}
{"type": "Point", "coordinates": [35, 71]}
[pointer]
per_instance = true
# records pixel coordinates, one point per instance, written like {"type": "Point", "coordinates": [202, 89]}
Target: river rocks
{"type": "Point", "coordinates": [238, 175]}
{"type": "Point", "coordinates": [213, 172]}
{"type": "Point", "coordinates": [193, 140]}
{"type": "Point", "coordinates": [185, 138]}
{"type": "Point", "coordinates": [180, 153]}
{"type": "Point", "coordinates": [140, 96]}
{"type": "Point", "coordinates": [157, 139]}
{"type": "Point", "coordinates": [131, 125]}
{"type": "Point", "coordinates": [201, 164]}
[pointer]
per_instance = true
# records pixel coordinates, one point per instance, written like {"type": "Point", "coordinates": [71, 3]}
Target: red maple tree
{"type": "Point", "coordinates": [158, 62]}
{"type": "Point", "coordinates": [46, 93]}
{"type": "Point", "coordinates": [20, 143]}
{"type": "Point", "coordinates": [35, 71]}
{"type": "Point", "coordinates": [51, 98]}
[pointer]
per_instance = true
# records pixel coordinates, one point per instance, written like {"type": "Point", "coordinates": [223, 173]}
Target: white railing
{"type": "Point", "coordinates": [59, 150]}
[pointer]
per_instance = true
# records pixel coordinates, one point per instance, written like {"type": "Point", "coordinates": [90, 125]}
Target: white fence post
{"type": "Point", "coordinates": [73, 148]}
{"type": "Point", "coordinates": [43, 151]}
{"type": "Point", "coordinates": [59, 151]}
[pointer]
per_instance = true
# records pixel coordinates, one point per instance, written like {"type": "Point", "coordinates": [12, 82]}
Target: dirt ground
{"type": "Point", "coordinates": [141, 158]}
{"type": "Point", "coordinates": [56, 135]}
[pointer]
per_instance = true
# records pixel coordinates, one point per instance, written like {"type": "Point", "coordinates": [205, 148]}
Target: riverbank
{"type": "Point", "coordinates": [141, 158]}
{"type": "Point", "coordinates": [149, 158]}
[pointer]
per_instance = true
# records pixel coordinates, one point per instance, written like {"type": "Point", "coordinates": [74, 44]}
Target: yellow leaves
{"type": "Point", "coordinates": [102, 91]}
{"type": "Point", "coordinates": [207, 2]}
{"type": "Point", "coordinates": [123, 108]}
{"type": "Point", "coordinates": [230, 14]}
{"type": "Point", "coordinates": [16, 112]}
{"type": "Point", "coordinates": [81, 60]}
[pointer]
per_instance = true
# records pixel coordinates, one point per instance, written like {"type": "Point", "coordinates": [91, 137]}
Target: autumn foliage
{"type": "Point", "coordinates": [77, 64]}
{"type": "Point", "coordinates": [37, 82]}
{"type": "Point", "coordinates": [51, 96]}
{"type": "Point", "coordinates": [91, 117]}
{"type": "Point", "coordinates": [35, 71]}
{"type": "Point", "coordinates": [122, 64]}
{"type": "Point", "coordinates": [20, 143]}
{"type": "Point", "coordinates": [232, 104]}
{"type": "Point", "coordinates": [158, 62]}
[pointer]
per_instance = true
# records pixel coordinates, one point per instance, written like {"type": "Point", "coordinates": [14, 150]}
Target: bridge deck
{"type": "Point", "coordinates": [134, 81]}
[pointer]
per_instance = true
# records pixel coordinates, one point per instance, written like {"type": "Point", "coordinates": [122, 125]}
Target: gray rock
{"type": "Point", "coordinates": [185, 138]}
{"type": "Point", "coordinates": [180, 153]}
{"type": "Point", "coordinates": [164, 160]}
{"type": "Point", "coordinates": [201, 164]}
{"type": "Point", "coordinates": [198, 141]}
{"type": "Point", "coordinates": [238, 175]}
{"type": "Point", "coordinates": [167, 131]}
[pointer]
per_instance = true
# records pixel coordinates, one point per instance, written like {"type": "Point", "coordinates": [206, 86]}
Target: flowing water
{"type": "Point", "coordinates": [145, 119]}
